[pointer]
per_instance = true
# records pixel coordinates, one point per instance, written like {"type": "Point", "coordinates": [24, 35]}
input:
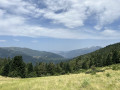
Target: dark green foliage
{"type": "Point", "coordinates": [68, 68]}
{"type": "Point", "coordinates": [18, 66]}
{"type": "Point", "coordinates": [85, 65]}
{"type": "Point", "coordinates": [29, 68]}
{"type": "Point", "coordinates": [58, 69]}
{"type": "Point", "coordinates": [32, 74]}
{"type": "Point", "coordinates": [116, 57]}
{"type": "Point", "coordinates": [116, 67]}
{"type": "Point", "coordinates": [109, 60]}
{"type": "Point", "coordinates": [13, 74]}
{"type": "Point", "coordinates": [51, 68]}
{"type": "Point", "coordinates": [40, 69]}
{"type": "Point", "coordinates": [103, 57]}
{"type": "Point", "coordinates": [108, 75]}
{"type": "Point", "coordinates": [14, 67]}
{"type": "Point", "coordinates": [93, 70]}
{"type": "Point", "coordinates": [5, 70]}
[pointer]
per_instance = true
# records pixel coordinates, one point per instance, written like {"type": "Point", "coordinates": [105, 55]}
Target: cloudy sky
{"type": "Point", "coordinates": [59, 24]}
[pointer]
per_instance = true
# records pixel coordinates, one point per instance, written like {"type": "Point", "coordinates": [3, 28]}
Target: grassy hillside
{"type": "Point", "coordinates": [107, 80]}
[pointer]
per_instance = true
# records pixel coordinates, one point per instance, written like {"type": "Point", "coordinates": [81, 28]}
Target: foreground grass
{"type": "Point", "coordinates": [108, 80]}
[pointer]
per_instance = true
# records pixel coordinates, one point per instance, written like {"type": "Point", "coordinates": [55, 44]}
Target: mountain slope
{"type": "Point", "coordinates": [78, 52]}
{"type": "Point", "coordinates": [4, 53]}
{"type": "Point", "coordinates": [30, 55]}
{"type": "Point", "coordinates": [103, 57]}
{"type": "Point", "coordinates": [33, 53]}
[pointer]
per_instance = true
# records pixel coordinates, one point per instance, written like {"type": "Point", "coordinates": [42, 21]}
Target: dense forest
{"type": "Point", "coordinates": [15, 67]}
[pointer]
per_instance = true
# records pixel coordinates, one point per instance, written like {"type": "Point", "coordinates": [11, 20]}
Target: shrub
{"type": "Point", "coordinates": [92, 71]}
{"type": "Point", "coordinates": [14, 74]}
{"type": "Point", "coordinates": [115, 68]}
{"type": "Point", "coordinates": [108, 75]}
{"type": "Point", "coordinates": [32, 74]}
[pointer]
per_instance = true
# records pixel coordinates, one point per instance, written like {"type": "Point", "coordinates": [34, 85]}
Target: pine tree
{"type": "Point", "coordinates": [5, 70]}
{"type": "Point", "coordinates": [29, 68]}
{"type": "Point", "coordinates": [116, 57]}
{"type": "Point", "coordinates": [109, 59]}
{"type": "Point", "coordinates": [85, 65]}
{"type": "Point", "coordinates": [18, 66]}
{"type": "Point", "coordinates": [51, 69]}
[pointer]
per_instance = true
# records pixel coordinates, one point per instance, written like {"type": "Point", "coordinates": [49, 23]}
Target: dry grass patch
{"type": "Point", "coordinates": [82, 81]}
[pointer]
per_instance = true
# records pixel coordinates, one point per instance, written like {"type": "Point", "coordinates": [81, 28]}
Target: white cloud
{"type": "Point", "coordinates": [73, 13]}
{"type": "Point", "coordinates": [36, 31]}
{"type": "Point", "coordinates": [2, 40]}
{"type": "Point", "coordinates": [19, 7]}
{"type": "Point", "coordinates": [1, 12]}
{"type": "Point", "coordinates": [77, 11]}
{"type": "Point", "coordinates": [11, 21]}
{"type": "Point", "coordinates": [111, 33]}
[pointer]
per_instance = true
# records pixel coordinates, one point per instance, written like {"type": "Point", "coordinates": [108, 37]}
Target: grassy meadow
{"type": "Point", "coordinates": [107, 80]}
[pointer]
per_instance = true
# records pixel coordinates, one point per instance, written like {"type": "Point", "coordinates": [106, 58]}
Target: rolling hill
{"type": "Point", "coordinates": [77, 52]}
{"type": "Point", "coordinates": [30, 55]}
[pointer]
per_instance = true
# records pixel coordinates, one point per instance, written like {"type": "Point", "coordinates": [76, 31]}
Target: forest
{"type": "Point", "coordinates": [15, 67]}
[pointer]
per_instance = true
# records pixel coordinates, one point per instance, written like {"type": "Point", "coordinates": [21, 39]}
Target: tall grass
{"type": "Point", "coordinates": [107, 80]}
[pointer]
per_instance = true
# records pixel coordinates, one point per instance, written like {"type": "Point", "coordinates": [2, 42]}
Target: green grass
{"type": "Point", "coordinates": [107, 80]}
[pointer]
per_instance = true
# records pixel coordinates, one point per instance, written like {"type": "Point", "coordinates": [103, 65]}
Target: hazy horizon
{"type": "Point", "coordinates": [58, 45]}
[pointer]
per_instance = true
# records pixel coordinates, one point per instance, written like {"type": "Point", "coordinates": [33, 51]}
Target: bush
{"type": "Point", "coordinates": [32, 74]}
{"type": "Point", "coordinates": [92, 71]}
{"type": "Point", "coordinates": [100, 70]}
{"type": "Point", "coordinates": [108, 75]}
{"type": "Point", "coordinates": [93, 68]}
{"type": "Point", "coordinates": [115, 68]}
{"type": "Point", "coordinates": [14, 74]}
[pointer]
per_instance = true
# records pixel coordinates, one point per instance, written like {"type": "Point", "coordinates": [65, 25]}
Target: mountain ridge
{"type": "Point", "coordinates": [77, 52]}
{"type": "Point", "coordinates": [30, 55]}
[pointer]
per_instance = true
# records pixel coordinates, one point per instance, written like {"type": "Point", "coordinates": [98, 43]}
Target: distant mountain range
{"type": "Point", "coordinates": [30, 55]}
{"type": "Point", "coordinates": [34, 56]}
{"type": "Point", "coordinates": [77, 52]}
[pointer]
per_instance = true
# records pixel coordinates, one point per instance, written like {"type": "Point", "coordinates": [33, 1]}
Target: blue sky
{"type": "Point", "coordinates": [59, 24]}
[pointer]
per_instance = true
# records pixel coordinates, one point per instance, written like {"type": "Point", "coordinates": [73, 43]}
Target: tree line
{"type": "Point", "coordinates": [16, 67]}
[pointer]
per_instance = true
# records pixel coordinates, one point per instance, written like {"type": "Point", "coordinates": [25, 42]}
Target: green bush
{"type": "Point", "coordinates": [14, 74]}
{"type": "Point", "coordinates": [92, 71]}
{"type": "Point", "coordinates": [116, 68]}
{"type": "Point", "coordinates": [108, 75]}
{"type": "Point", "coordinates": [32, 74]}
